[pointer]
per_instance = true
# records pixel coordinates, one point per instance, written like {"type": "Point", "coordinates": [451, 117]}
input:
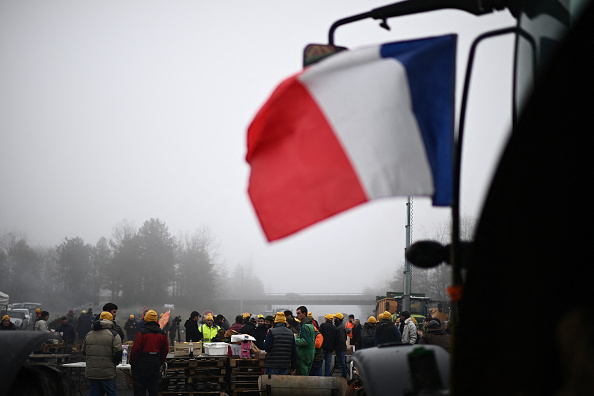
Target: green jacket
{"type": "Point", "coordinates": [306, 347]}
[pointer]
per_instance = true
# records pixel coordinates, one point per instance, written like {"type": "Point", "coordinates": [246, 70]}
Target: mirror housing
{"type": "Point", "coordinates": [313, 53]}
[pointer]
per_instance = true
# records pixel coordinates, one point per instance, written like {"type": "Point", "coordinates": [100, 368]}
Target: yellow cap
{"type": "Point", "coordinates": [84, 311]}
{"type": "Point", "coordinates": [131, 316]}
{"type": "Point", "coordinates": [372, 320]}
{"type": "Point", "coordinates": [209, 317]}
{"type": "Point", "coordinates": [329, 316]}
{"type": "Point", "coordinates": [260, 316]}
{"type": "Point", "coordinates": [339, 316]}
{"type": "Point", "coordinates": [310, 315]}
{"type": "Point", "coordinates": [38, 310]}
{"type": "Point", "coordinates": [106, 315]}
{"type": "Point", "coordinates": [150, 316]}
{"type": "Point", "coordinates": [280, 318]}
{"type": "Point", "coordinates": [246, 315]}
{"type": "Point", "coordinates": [5, 317]}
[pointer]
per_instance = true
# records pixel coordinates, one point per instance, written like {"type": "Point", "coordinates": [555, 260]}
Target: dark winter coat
{"type": "Point", "coordinates": [10, 326]}
{"type": "Point", "coordinates": [248, 328]}
{"type": "Point", "coordinates": [192, 332]}
{"type": "Point", "coordinates": [386, 331]}
{"type": "Point", "coordinates": [280, 347]}
{"type": "Point", "coordinates": [434, 335]}
{"type": "Point", "coordinates": [342, 337]}
{"type": "Point", "coordinates": [356, 340]}
{"type": "Point", "coordinates": [367, 335]}
{"type": "Point", "coordinates": [84, 324]}
{"type": "Point", "coordinates": [130, 328]}
{"type": "Point", "coordinates": [330, 334]}
{"type": "Point", "coordinates": [261, 332]}
{"type": "Point", "coordinates": [68, 331]}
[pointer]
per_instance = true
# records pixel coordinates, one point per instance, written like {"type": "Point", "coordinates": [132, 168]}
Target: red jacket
{"type": "Point", "coordinates": [149, 339]}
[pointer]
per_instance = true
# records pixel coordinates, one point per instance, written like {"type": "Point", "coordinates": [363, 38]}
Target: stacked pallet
{"type": "Point", "coordinates": [243, 376]}
{"type": "Point", "coordinates": [204, 375]}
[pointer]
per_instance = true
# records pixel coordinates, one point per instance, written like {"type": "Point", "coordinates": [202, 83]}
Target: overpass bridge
{"type": "Point", "coordinates": [296, 299]}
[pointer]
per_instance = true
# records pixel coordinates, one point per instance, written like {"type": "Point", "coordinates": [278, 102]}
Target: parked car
{"type": "Point", "coordinates": [27, 314]}
{"type": "Point", "coordinates": [18, 319]}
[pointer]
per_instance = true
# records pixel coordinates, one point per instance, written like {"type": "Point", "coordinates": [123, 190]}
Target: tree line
{"type": "Point", "coordinates": [433, 281]}
{"type": "Point", "coordinates": [144, 266]}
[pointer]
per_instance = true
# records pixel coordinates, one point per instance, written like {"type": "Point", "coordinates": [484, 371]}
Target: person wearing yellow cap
{"type": "Point", "coordinates": [249, 326]}
{"type": "Point", "coordinates": [368, 332]}
{"type": "Point", "coordinates": [83, 324]}
{"type": "Point", "coordinates": [7, 324]}
{"type": "Point", "coordinates": [208, 330]}
{"type": "Point", "coordinates": [130, 328]}
{"type": "Point", "coordinates": [149, 352]}
{"type": "Point", "coordinates": [281, 351]}
{"type": "Point", "coordinates": [386, 331]}
{"type": "Point", "coordinates": [264, 324]}
{"type": "Point", "coordinates": [330, 334]}
{"type": "Point", "coordinates": [102, 348]}
{"type": "Point", "coordinates": [341, 341]}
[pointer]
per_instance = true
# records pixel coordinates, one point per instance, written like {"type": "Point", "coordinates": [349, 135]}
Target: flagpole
{"type": "Point", "coordinates": [407, 266]}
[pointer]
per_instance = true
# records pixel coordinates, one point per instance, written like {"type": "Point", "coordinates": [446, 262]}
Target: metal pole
{"type": "Point", "coordinates": [407, 266]}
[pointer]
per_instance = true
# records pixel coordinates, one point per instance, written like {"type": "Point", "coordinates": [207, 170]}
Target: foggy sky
{"type": "Point", "coordinates": [139, 109]}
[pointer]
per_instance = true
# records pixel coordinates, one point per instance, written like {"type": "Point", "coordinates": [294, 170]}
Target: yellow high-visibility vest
{"type": "Point", "coordinates": [208, 333]}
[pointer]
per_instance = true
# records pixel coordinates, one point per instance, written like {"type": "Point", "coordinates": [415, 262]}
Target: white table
{"type": "Point", "coordinates": [84, 364]}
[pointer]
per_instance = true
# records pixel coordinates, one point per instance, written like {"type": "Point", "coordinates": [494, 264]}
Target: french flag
{"type": "Point", "coordinates": [360, 125]}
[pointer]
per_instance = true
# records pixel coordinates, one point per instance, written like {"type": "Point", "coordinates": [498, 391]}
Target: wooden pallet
{"type": "Point", "coordinates": [196, 372]}
{"type": "Point", "coordinates": [245, 386]}
{"type": "Point", "coordinates": [246, 362]}
{"type": "Point", "coordinates": [247, 393]}
{"type": "Point", "coordinates": [174, 384]}
{"type": "Point", "coordinates": [244, 377]}
{"type": "Point", "coordinates": [190, 385]}
{"type": "Point", "coordinates": [246, 370]}
{"type": "Point", "coordinates": [204, 362]}
{"type": "Point", "coordinates": [191, 393]}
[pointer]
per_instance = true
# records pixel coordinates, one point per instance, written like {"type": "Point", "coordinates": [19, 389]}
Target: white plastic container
{"type": "Point", "coordinates": [216, 348]}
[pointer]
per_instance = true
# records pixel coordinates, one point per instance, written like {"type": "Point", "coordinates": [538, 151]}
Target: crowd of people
{"type": "Point", "coordinates": [294, 345]}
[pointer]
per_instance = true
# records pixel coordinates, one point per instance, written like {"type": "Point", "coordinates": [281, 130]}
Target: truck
{"type": "Point", "coordinates": [393, 303]}
{"type": "Point", "coordinates": [420, 307]}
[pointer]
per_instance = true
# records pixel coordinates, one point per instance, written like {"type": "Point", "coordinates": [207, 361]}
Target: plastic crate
{"type": "Point", "coordinates": [216, 348]}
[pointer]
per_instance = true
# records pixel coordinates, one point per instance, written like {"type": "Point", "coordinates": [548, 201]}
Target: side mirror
{"type": "Point", "coordinates": [313, 53]}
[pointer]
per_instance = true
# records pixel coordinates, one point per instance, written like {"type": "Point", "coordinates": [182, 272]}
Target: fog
{"type": "Point", "coordinates": [117, 113]}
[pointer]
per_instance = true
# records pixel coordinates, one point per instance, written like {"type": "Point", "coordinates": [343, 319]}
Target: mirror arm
{"type": "Point", "coordinates": [408, 7]}
{"type": "Point", "coordinates": [345, 21]}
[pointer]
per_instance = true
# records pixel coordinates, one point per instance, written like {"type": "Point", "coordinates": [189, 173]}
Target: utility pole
{"type": "Point", "coordinates": [407, 266]}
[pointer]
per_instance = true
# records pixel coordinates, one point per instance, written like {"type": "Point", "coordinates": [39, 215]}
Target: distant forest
{"type": "Point", "coordinates": [136, 267]}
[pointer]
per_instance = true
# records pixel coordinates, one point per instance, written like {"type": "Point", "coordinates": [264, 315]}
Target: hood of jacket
{"type": "Point", "coordinates": [152, 327]}
{"type": "Point", "coordinates": [102, 324]}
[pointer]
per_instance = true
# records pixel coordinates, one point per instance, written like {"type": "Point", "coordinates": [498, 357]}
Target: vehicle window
{"type": "Point", "coordinates": [16, 314]}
